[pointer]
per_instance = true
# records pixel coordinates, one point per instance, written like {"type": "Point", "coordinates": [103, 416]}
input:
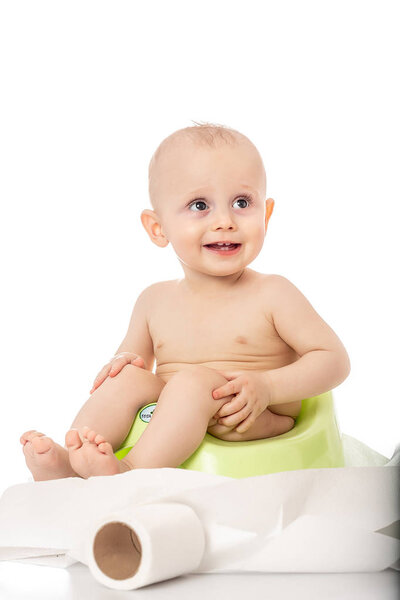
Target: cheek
{"type": "Point", "coordinates": [257, 239]}
{"type": "Point", "coordinates": [257, 235]}
{"type": "Point", "coordinates": [185, 240]}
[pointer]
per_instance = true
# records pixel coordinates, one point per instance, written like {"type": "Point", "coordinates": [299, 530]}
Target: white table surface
{"type": "Point", "coordinates": [31, 582]}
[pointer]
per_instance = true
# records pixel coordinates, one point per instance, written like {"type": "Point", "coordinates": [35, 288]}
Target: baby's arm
{"type": "Point", "coordinates": [137, 338]}
{"type": "Point", "coordinates": [323, 363]}
{"type": "Point", "coordinates": [137, 342]}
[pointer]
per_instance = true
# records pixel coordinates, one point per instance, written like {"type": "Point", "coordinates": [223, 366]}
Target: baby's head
{"type": "Point", "coordinates": [207, 184]}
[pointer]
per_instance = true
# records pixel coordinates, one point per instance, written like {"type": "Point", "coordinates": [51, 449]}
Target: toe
{"type": "Point", "coordinates": [85, 431]}
{"type": "Point", "coordinates": [99, 439]}
{"type": "Point", "coordinates": [105, 448]}
{"type": "Point", "coordinates": [91, 435]}
{"type": "Point", "coordinates": [42, 444]}
{"type": "Point", "coordinates": [29, 435]}
{"type": "Point", "coordinates": [72, 439]}
{"type": "Point", "coordinates": [26, 433]}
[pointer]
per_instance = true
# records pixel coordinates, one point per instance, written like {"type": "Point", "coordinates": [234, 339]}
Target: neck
{"type": "Point", "coordinates": [203, 284]}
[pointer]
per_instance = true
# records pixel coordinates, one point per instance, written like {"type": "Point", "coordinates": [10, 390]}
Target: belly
{"type": "Point", "coordinates": [167, 370]}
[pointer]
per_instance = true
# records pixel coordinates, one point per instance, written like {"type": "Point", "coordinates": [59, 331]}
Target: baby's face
{"type": "Point", "coordinates": [207, 195]}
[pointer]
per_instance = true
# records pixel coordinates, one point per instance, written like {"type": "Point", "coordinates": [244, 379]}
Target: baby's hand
{"type": "Point", "coordinates": [252, 397]}
{"type": "Point", "coordinates": [115, 365]}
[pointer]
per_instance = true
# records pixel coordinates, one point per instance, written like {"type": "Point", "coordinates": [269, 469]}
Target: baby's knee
{"type": "Point", "coordinates": [199, 375]}
{"type": "Point", "coordinates": [199, 382]}
{"type": "Point", "coordinates": [134, 375]}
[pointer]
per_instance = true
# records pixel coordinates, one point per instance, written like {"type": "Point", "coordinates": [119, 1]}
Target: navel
{"type": "Point", "coordinates": [241, 340]}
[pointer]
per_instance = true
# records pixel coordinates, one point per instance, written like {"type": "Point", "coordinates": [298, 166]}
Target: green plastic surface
{"type": "Point", "coordinates": [314, 442]}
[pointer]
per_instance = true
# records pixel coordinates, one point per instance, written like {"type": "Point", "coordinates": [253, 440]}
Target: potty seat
{"type": "Point", "coordinates": [314, 442]}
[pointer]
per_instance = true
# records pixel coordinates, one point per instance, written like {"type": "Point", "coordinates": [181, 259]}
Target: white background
{"type": "Point", "coordinates": [89, 90]}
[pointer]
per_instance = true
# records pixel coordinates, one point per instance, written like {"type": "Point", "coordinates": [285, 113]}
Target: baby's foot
{"type": "Point", "coordinates": [94, 456]}
{"type": "Point", "coordinates": [45, 459]}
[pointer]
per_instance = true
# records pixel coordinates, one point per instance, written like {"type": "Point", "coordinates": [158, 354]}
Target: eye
{"type": "Point", "coordinates": [244, 199]}
{"type": "Point", "coordinates": [195, 203]}
{"type": "Point", "coordinates": [201, 202]}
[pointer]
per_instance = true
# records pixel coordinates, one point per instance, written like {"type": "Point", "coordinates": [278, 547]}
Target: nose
{"type": "Point", "coordinates": [223, 220]}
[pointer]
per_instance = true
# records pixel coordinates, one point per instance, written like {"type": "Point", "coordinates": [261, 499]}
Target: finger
{"type": "Point", "coordinates": [138, 360]}
{"type": "Point", "coordinates": [115, 369]}
{"type": "Point", "coordinates": [98, 381]}
{"type": "Point", "coordinates": [102, 374]}
{"type": "Point", "coordinates": [234, 418]}
{"type": "Point", "coordinates": [246, 424]}
{"type": "Point", "coordinates": [232, 407]}
{"type": "Point", "coordinates": [101, 377]}
{"type": "Point", "coordinates": [117, 364]}
{"type": "Point", "coordinates": [116, 357]}
{"type": "Point", "coordinates": [227, 389]}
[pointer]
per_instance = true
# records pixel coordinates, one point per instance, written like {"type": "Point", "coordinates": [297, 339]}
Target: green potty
{"type": "Point", "coordinates": [314, 442]}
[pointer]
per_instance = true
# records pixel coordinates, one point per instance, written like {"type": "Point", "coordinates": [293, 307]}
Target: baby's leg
{"type": "Point", "coordinates": [110, 410]}
{"type": "Point", "coordinates": [112, 407]}
{"type": "Point", "coordinates": [184, 410]}
{"type": "Point", "coordinates": [179, 422]}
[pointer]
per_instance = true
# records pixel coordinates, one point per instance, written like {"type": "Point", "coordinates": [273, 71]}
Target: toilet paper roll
{"type": "Point", "coordinates": [147, 543]}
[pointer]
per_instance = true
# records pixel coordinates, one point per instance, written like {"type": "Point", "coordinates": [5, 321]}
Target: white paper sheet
{"type": "Point", "coordinates": [312, 520]}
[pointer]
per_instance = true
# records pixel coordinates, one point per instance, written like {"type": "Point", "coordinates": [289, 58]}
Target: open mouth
{"type": "Point", "coordinates": [226, 249]}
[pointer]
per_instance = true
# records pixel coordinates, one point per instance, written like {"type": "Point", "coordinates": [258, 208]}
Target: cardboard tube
{"type": "Point", "coordinates": [148, 543]}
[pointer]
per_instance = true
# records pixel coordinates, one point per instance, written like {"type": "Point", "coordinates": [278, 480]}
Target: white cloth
{"type": "Point", "coordinates": [311, 520]}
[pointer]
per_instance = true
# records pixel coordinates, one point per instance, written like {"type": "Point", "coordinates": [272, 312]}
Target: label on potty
{"type": "Point", "coordinates": [147, 412]}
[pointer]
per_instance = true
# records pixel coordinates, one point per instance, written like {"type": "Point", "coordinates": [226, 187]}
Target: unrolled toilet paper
{"type": "Point", "coordinates": [145, 544]}
{"type": "Point", "coordinates": [171, 521]}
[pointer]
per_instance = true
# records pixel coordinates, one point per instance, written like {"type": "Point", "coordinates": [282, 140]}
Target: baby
{"type": "Point", "coordinates": [236, 350]}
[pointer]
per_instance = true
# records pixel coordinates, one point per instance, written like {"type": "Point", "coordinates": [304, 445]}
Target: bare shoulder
{"type": "Point", "coordinates": [276, 289]}
{"type": "Point", "coordinates": [273, 279]}
{"type": "Point", "coordinates": [279, 287]}
{"type": "Point", "coordinates": [158, 289]}
{"type": "Point", "coordinates": [284, 295]}
{"type": "Point", "coordinates": [284, 301]}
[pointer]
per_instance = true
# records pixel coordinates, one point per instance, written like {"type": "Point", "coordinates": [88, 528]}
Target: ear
{"type": "Point", "coordinates": [269, 207]}
{"type": "Point", "coordinates": [152, 224]}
